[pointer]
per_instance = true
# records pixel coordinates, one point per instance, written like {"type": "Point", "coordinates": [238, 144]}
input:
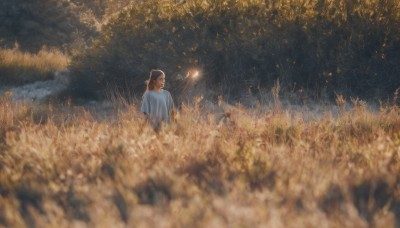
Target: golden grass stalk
{"type": "Point", "coordinates": [277, 169]}
{"type": "Point", "coordinates": [19, 67]}
{"type": "Point", "coordinates": [45, 60]}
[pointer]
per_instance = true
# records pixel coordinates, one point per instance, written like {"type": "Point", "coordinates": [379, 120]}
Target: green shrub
{"type": "Point", "coordinates": [320, 46]}
{"type": "Point", "coordinates": [37, 23]}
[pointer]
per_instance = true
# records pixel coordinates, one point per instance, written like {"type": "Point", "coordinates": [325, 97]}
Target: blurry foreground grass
{"type": "Point", "coordinates": [256, 169]}
{"type": "Point", "coordinates": [17, 67]}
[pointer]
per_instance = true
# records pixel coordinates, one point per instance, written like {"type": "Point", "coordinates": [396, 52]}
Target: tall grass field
{"type": "Point", "coordinates": [18, 67]}
{"type": "Point", "coordinates": [246, 149]}
{"type": "Point", "coordinates": [252, 168]}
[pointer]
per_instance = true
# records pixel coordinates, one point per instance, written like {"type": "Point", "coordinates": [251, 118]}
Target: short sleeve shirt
{"type": "Point", "coordinates": [157, 105]}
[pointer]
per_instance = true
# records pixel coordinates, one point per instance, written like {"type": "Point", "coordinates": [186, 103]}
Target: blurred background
{"type": "Point", "coordinates": [314, 49]}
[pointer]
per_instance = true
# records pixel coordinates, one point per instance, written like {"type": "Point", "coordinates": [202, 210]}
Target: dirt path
{"type": "Point", "coordinates": [39, 90]}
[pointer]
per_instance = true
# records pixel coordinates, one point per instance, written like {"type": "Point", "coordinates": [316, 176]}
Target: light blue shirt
{"type": "Point", "coordinates": [158, 106]}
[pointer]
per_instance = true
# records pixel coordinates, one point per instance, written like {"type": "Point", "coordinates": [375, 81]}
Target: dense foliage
{"type": "Point", "coordinates": [347, 47]}
{"type": "Point", "coordinates": [36, 23]}
{"type": "Point", "coordinates": [101, 9]}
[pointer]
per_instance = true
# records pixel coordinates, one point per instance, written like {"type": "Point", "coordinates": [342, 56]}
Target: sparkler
{"type": "Point", "coordinates": [192, 74]}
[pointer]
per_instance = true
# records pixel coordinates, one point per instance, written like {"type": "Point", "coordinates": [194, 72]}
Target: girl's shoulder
{"type": "Point", "coordinates": [165, 91]}
{"type": "Point", "coordinates": [147, 94]}
{"type": "Point", "coordinates": [152, 93]}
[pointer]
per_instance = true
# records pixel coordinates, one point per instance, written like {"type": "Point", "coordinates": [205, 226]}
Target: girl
{"type": "Point", "coordinates": [157, 103]}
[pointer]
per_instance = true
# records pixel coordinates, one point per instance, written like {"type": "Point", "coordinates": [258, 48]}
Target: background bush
{"type": "Point", "coordinates": [37, 23]}
{"type": "Point", "coordinates": [323, 47]}
{"type": "Point", "coordinates": [36, 37]}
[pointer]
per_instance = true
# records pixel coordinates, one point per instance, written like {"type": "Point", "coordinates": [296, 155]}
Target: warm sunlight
{"type": "Point", "coordinates": [200, 113]}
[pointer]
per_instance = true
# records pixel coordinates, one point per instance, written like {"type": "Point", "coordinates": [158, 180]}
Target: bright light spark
{"type": "Point", "coordinates": [195, 74]}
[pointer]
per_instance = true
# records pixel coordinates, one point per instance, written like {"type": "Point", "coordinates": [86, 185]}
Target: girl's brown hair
{"type": "Point", "coordinates": [154, 74]}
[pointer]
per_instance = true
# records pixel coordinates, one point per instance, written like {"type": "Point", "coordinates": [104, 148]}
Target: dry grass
{"type": "Point", "coordinates": [271, 169]}
{"type": "Point", "coordinates": [17, 67]}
